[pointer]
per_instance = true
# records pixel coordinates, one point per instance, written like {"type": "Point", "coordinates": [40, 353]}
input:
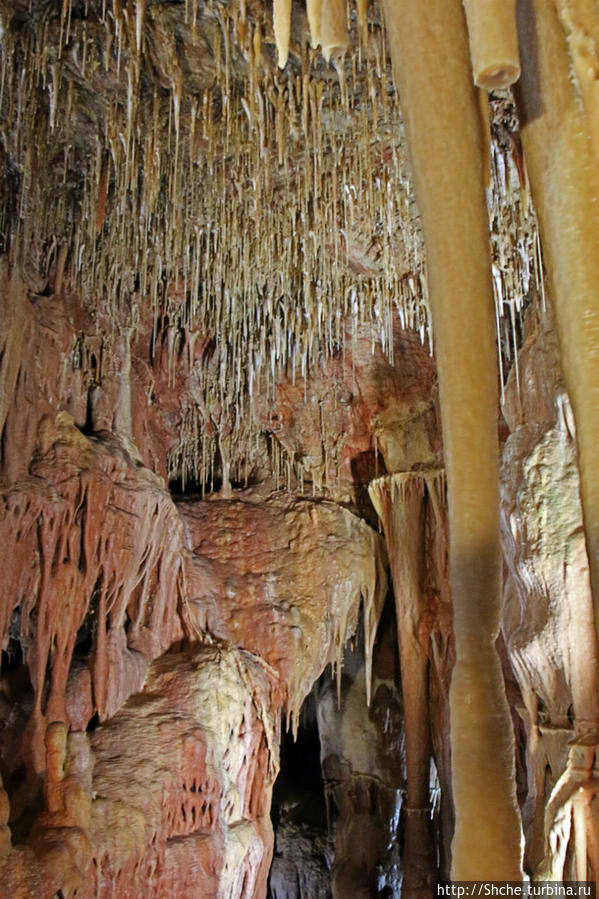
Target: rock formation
{"type": "Point", "coordinates": [297, 473]}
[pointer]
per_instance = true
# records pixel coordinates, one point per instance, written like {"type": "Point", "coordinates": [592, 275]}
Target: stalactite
{"type": "Point", "coordinates": [493, 42]}
{"type": "Point", "coordinates": [90, 562]}
{"type": "Point", "coordinates": [282, 26]}
{"type": "Point", "coordinates": [443, 130]}
{"type": "Point", "coordinates": [363, 22]}
{"type": "Point", "coordinates": [580, 22]}
{"type": "Point", "coordinates": [11, 342]}
{"type": "Point", "coordinates": [314, 11]}
{"type": "Point", "coordinates": [333, 28]}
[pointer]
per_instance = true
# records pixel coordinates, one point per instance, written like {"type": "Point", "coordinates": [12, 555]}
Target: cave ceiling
{"type": "Point", "coordinates": [249, 232]}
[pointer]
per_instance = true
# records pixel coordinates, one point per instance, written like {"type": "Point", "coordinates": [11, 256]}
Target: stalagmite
{"type": "Point", "coordinates": [565, 185]}
{"type": "Point", "coordinates": [431, 62]}
{"type": "Point", "coordinates": [493, 42]}
{"type": "Point", "coordinates": [282, 28]}
{"type": "Point", "coordinates": [399, 501]}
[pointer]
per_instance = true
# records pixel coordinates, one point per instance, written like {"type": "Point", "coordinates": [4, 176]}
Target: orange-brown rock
{"type": "Point", "coordinates": [285, 578]}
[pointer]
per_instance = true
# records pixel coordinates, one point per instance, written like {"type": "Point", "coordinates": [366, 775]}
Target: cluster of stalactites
{"type": "Point", "coordinates": [103, 545]}
{"type": "Point", "coordinates": [146, 139]}
{"type": "Point", "coordinates": [328, 24]}
{"type": "Point", "coordinates": [516, 258]}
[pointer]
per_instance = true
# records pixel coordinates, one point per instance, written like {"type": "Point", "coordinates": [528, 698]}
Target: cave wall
{"type": "Point", "coordinates": [131, 616]}
{"type": "Point", "coordinates": [548, 622]}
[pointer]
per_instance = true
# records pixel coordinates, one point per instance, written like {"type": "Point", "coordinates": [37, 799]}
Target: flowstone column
{"type": "Point", "coordinates": [433, 71]}
{"type": "Point", "coordinates": [399, 500]}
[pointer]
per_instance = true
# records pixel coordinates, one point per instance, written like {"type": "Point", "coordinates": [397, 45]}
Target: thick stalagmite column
{"type": "Point", "coordinates": [432, 68]}
{"type": "Point", "coordinates": [399, 501]}
{"type": "Point", "coordinates": [564, 178]}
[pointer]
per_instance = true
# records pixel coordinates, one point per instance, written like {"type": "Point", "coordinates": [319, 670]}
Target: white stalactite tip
{"type": "Point", "coordinates": [493, 38]}
{"type": "Point", "coordinates": [282, 29]}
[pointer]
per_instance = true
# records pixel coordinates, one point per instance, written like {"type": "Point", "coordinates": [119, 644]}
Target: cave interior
{"type": "Point", "coordinates": [299, 417]}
